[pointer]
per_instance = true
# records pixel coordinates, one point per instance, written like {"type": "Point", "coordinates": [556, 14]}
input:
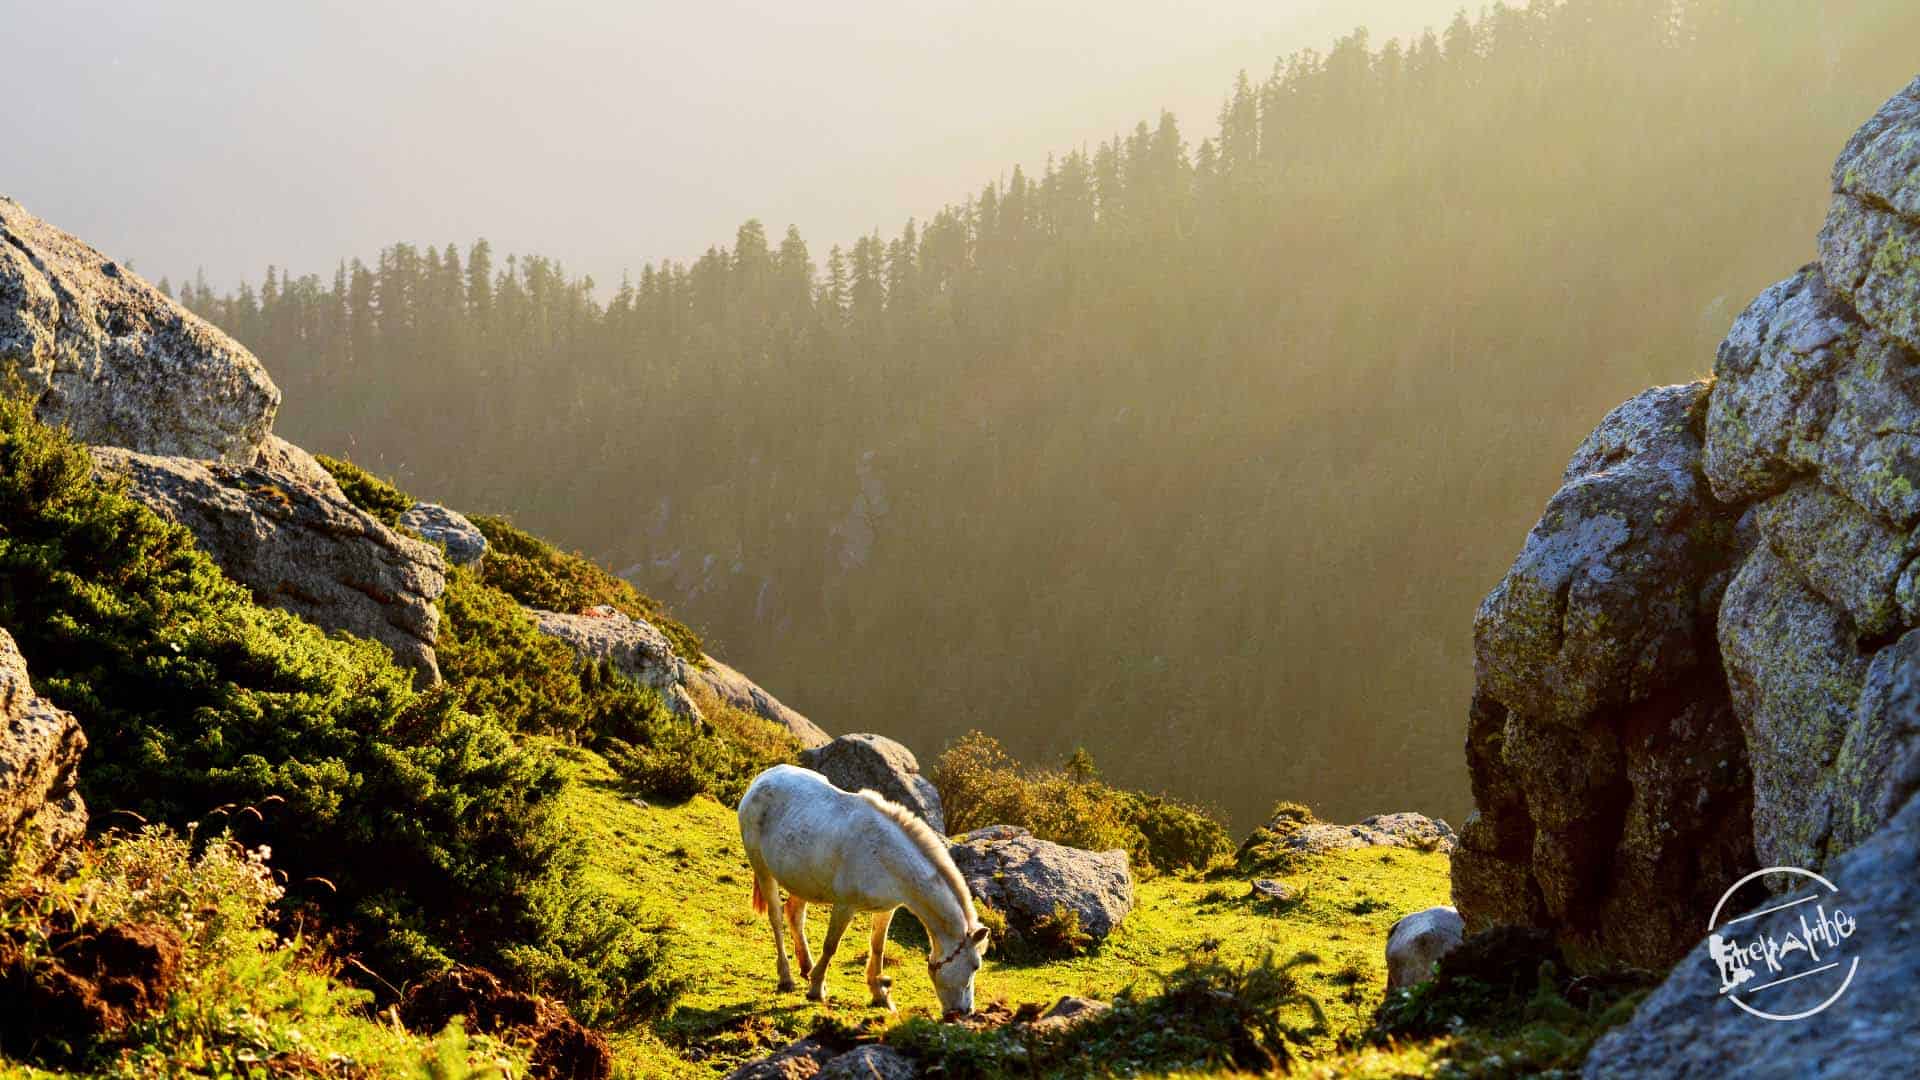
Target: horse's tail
{"type": "Point", "coordinates": [759, 898]}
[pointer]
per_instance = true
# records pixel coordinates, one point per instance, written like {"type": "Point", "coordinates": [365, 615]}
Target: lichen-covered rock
{"type": "Point", "coordinates": [1026, 878]}
{"type": "Point", "coordinates": [1795, 673]}
{"type": "Point", "coordinates": [1418, 941]}
{"type": "Point", "coordinates": [117, 361]}
{"type": "Point", "coordinates": [860, 761]}
{"type": "Point", "coordinates": [1687, 1028]}
{"type": "Point", "coordinates": [1067, 1014]}
{"type": "Point", "coordinates": [801, 1060]}
{"type": "Point", "coordinates": [1604, 606]}
{"type": "Point", "coordinates": [744, 694]}
{"type": "Point", "coordinates": [465, 544]}
{"type": "Point", "coordinates": [1599, 708]}
{"type": "Point", "coordinates": [299, 548]}
{"type": "Point", "coordinates": [1870, 245]}
{"type": "Point", "coordinates": [633, 646]}
{"type": "Point", "coordinates": [278, 455]}
{"type": "Point", "coordinates": [40, 747]}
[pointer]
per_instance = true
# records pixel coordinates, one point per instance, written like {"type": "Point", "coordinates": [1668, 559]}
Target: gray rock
{"type": "Point", "coordinates": [1870, 245]}
{"type": "Point", "coordinates": [115, 359]}
{"type": "Point", "coordinates": [871, 1062]}
{"type": "Point", "coordinates": [1685, 1028]}
{"type": "Point", "coordinates": [1604, 606]}
{"type": "Point", "coordinates": [1418, 941]}
{"type": "Point", "coordinates": [858, 762]}
{"type": "Point", "coordinates": [1606, 764]}
{"type": "Point", "coordinates": [634, 647]}
{"type": "Point", "coordinates": [742, 693]}
{"type": "Point", "coordinates": [1795, 673]}
{"type": "Point", "coordinates": [1068, 1013]}
{"type": "Point", "coordinates": [465, 544]}
{"type": "Point", "coordinates": [298, 548]}
{"type": "Point", "coordinates": [1381, 830]}
{"type": "Point", "coordinates": [278, 455]}
{"type": "Point", "coordinates": [802, 1060]}
{"type": "Point", "coordinates": [1273, 890]}
{"type": "Point", "coordinates": [40, 746]}
{"type": "Point", "coordinates": [1024, 878]}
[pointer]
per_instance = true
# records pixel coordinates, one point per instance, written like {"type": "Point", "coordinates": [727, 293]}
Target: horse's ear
{"type": "Point", "coordinates": [980, 935]}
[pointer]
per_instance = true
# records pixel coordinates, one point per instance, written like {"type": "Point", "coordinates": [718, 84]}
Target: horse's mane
{"type": "Point", "coordinates": [930, 843]}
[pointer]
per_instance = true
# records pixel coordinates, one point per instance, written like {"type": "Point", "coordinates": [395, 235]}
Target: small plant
{"type": "Point", "coordinates": [377, 497]}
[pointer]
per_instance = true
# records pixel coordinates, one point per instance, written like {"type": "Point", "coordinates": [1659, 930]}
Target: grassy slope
{"type": "Point", "coordinates": [685, 861]}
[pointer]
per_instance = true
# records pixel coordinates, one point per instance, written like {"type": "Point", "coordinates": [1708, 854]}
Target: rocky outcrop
{"type": "Point", "coordinates": [860, 762]}
{"type": "Point", "coordinates": [40, 747]}
{"type": "Point", "coordinates": [634, 647]}
{"type": "Point", "coordinates": [1418, 941]}
{"type": "Point", "coordinates": [742, 693]}
{"type": "Point", "coordinates": [278, 455]}
{"type": "Point", "coordinates": [116, 360]}
{"type": "Point", "coordinates": [299, 548]}
{"type": "Point", "coordinates": [1381, 830]}
{"type": "Point", "coordinates": [1026, 879]}
{"type": "Point", "coordinates": [1702, 655]}
{"type": "Point", "coordinates": [465, 544]}
{"type": "Point", "coordinates": [1687, 1028]}
{"type": "Point", "coordinates": [641, 652]}
{"type": "Point", "coordinates": [870, 1062]}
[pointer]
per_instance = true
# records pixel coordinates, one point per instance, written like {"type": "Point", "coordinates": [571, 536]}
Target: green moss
{"type": "Point", "coordinates": [539, 575]}
{"type": "Point", "coordinates": [368, 492]}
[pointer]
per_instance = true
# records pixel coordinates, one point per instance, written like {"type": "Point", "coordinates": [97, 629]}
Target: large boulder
{"type": "Point", "coordinates": [1026, 878]}
{"type": "Point", "coordinates": [465, 544]}
{"type": "Point", "coordinates": [859, 762]}
{"type": "Point", "coordinates": [1418, 941]}
{"type": "Point", "coordinates": [40, 747]}
{"type": "Point", "coordinates": [1608, 769]}
{"type": "Point", "coordinates": [116, 360]}
{"type": "Point", "coordinates": [298, 547]}
{"type": "Point", "coordinates": [1704, 655]}
{"type": "Point", "coordinates": [1686, 1027]}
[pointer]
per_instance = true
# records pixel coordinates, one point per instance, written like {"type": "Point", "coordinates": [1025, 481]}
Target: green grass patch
{"type": "Point", "coordinates": [378, 497]}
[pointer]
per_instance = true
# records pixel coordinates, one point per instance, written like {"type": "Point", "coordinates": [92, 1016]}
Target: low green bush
{"type": "Point", "coordinates": [980, 785]}
{"type": "Point", "coordinates": [540, 575]}
{"type": "Point", "coordinates": [422, 830]}
{"type": "Point", "coordinates": [368, 492]}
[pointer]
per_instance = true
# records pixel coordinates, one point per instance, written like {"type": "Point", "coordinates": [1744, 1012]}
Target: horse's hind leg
{"type": "Point", "coordinates": [770, 889]}
{"type": "Point", "coordinates": [836, 926]}
{"type": "Point", "coordinates": [877, 981]}
{"type": "Point", "coordinates": [797, 922]}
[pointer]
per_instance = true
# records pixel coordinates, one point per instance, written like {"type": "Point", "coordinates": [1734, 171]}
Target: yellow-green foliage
{"type": "Point", "coordinates": [368, 492]}
{"type": "Point", "coordinates": [247, 999]}
{"type": "Point", "coordinates": [685, 862]}
{"type": "Point", "coordinates": [540, 575]}
{"type": "Point", "coordinates": [981, 785]}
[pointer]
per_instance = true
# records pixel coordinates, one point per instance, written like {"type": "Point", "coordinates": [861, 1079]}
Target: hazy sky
{"type": "Point", "coordinates": [229, 135]}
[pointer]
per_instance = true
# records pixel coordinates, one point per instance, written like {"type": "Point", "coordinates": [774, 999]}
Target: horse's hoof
{"type": "Point", "coordinates": [786, 986]}
{"type": "Point", "coordinates": [883, 1001]}
{"type": "Point", "coordinates": [816, 993]}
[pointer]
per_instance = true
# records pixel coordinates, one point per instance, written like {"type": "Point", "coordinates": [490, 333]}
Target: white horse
{"type": "Point", "coordinates": [856, 852]}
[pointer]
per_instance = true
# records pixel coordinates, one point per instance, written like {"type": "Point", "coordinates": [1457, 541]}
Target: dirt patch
{"type": "Point", "coordinates": [563, 1049]}
{"type": "Point", "coordinates": [85, 986]}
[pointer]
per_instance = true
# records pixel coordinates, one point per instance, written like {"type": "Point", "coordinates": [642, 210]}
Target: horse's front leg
{"type": "Point", "coordinates": [877, 981]}
{"type": "Point", "coordinates": [836, 926]}
{"type": "Point", "coordinates": [797, 922]}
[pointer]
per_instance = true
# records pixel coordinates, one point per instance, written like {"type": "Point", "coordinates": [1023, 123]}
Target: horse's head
{"type": "Point", "coordinates": [952, 971]}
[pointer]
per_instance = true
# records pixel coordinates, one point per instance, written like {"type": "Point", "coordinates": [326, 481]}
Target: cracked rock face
{"type": "Point", "coordinates": [114, 359]}
{"type": "Point", "coordinates": [298, 547]}
{"type": "Point", "coordinates": [1704, 654]}
{"type": "Point", "coordinates": [40, 747]}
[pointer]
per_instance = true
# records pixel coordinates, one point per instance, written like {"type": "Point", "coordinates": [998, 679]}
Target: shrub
{"type": "Point", "coordinates": [239, 1000]}
{"type": "Point", "coordinates": [539, 575]}
{"type": "Point", "coordinates": [1265, 849]}
{"type": "Point", "coordinates": [431, 827]}
{"type": "Point", "coordinates": [981, 785]}
{"type": "Point", "coordinates": [368, 492]}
